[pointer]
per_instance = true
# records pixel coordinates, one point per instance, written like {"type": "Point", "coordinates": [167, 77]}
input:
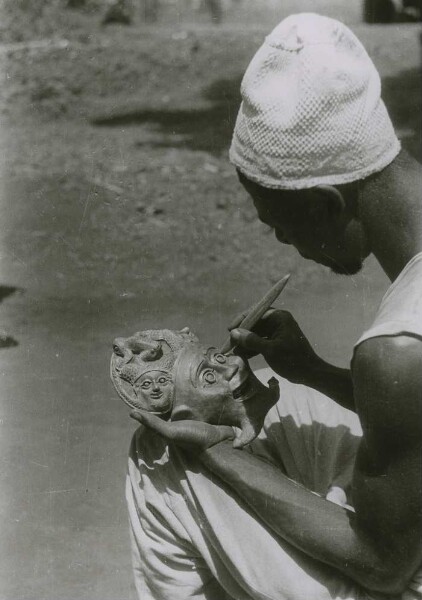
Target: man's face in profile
{"type": "Point", "coordinates": [320, 231]}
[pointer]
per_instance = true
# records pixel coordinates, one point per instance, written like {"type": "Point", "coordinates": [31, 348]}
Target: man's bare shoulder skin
{"type": "Point", "coordinates": [387, 485]}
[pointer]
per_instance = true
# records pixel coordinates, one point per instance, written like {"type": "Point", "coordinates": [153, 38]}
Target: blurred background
{"type": "Point", "coordinates": [121, 212]}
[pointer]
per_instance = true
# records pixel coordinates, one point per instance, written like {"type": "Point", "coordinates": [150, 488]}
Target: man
{"type": "Point", "coordinates": [315, 149]}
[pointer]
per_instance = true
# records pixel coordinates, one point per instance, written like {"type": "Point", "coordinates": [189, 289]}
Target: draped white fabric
{"type": "Point", "coordinates": [192, 538]}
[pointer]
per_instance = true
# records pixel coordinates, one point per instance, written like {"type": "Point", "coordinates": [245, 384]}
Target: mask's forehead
{"type": "Point", "coordinates": [188, 363]}
{"type": "Point", "coordinates": [153, 374]}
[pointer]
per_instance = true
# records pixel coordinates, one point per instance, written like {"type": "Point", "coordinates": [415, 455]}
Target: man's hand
{"type": "Point", "coordinates": [190, 435]}
{"type": "Point", "coordinates": [281, 342]}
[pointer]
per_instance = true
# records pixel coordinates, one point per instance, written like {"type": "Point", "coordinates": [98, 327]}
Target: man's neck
{"type": "Point", "coordinates": [390, 209]}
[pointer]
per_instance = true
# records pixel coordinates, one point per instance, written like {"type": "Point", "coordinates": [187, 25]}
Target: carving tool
{"type": "Point", "coordinates": [258, 310]}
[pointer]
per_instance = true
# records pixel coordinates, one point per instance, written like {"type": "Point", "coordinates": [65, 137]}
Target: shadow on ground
{"type": "Point", "coordinates": [209, 129]}
{"type": "Point", "coordinates": [6, 290]}
{"type": "Point", "coordinates": [6, 340]}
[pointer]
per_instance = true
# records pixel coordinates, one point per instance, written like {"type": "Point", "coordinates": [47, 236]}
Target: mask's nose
{"type": "Point", "coordinates": [228, 370]}
{"type": "Point", "coordinates": [233, 366]}
{"type": "Point", "coordinates": [231, 371]}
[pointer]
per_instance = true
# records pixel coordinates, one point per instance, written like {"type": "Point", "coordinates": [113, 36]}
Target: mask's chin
{"type": "Point", "coordinates": [255, 401]}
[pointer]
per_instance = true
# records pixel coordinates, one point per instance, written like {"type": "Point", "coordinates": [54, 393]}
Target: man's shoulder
{"type": "Point", "coordinates": [379, 354]}
{"type": "Point", "coordinates": [387, 380]}
{"type": "Point", "coordinates": [400, 311]}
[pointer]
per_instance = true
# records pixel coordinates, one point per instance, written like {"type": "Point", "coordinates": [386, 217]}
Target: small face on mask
{"type": "Point", "coordinates": [155, 390]}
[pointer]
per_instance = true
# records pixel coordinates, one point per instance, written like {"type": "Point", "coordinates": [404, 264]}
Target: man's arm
{"type": "Point", "coordinates": [380, 545]}
{"type": "Point", "coordinates": [334, 382]}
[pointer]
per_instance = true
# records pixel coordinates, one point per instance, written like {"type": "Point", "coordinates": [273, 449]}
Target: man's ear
{"type": "Point", "coordinates": [328, 202]}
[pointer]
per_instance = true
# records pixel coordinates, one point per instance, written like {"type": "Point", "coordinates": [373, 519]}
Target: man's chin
{"type": "Point", "coordinates": [339, 268]}
{"type": "Point", "coordinates": [346, 269]}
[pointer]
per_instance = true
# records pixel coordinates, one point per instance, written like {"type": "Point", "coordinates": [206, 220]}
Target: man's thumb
{"type": "Point", "coordinates": [151, 421]}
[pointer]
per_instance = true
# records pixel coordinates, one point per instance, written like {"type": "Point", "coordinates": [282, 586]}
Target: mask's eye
{"type": "Point", "coordinates": [220, 358]}
{"type": "Point", "coordinates": [209, 377]}
{"type": "Point", "coordinates": [117, 350]}
{"type": "Point", "coordinates": [145, 385]}
{"type": "Point", "coordinates": [162, 380]}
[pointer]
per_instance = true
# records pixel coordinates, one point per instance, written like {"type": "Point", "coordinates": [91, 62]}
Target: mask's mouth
{"type": "Point", "coordinates": [247, 389]}
{"type": "Point", "coordinates": [242, 389]}
{"type": "Point", "coordinates": [161, 410]}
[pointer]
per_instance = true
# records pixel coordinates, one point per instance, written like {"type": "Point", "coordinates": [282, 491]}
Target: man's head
{"type": "Point", "coordinates": [310, 127]}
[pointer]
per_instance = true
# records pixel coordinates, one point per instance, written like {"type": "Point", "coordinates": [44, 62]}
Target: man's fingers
{"type": "Point", "coordinates": [269, 312]}
{"type": "Point", "coordinates": [152, 422]}
{"type": "Point", "coordinates": [274, 321]}
{"type": "Point", "coordinates": [249, 341]}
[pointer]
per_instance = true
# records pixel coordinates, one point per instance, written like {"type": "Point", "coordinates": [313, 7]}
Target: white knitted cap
{"type": "Point", "coordinates": [311, 110]}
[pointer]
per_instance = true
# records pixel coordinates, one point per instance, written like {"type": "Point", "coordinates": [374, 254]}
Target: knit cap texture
{"type": "Point", "coordinates": [311, 110]}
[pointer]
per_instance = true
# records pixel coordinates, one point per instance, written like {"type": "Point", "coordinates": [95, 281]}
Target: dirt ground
{"type": "Point", "coordinates": [120, 211]}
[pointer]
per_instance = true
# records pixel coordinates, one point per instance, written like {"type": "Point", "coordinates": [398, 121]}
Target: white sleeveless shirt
{"type": "Point", "coordinates": [400, 313]}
